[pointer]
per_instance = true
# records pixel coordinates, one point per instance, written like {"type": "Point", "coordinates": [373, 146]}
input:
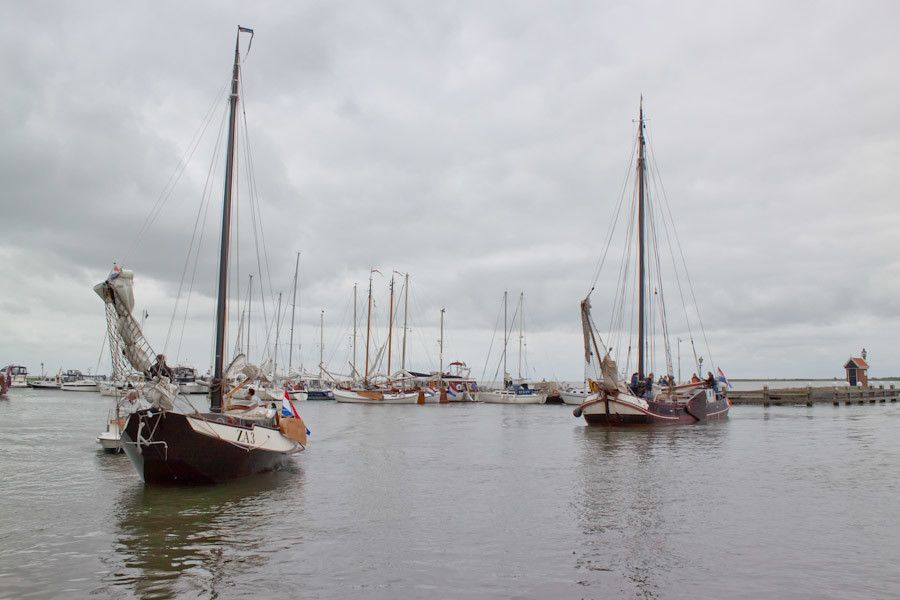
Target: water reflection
{"type": "Point", "coordinates": [635, 496]}
{"type": "Point", "coordinates": [172, 541]}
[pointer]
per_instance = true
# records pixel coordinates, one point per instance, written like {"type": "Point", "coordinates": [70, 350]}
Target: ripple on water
{"type": "Point", "coordinates": [479, 501]}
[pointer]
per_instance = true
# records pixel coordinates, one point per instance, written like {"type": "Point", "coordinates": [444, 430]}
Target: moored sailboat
{"type": "Point", "coordinates": [644, 401]}
{"type": "Point", "coordinates": [167, 445]}
{"type": "Point", "coordinates": [518, 391]}
{"type": "Point", "coordinates": [383, 391]}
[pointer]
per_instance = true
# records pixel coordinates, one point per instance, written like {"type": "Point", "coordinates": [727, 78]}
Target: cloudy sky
{"type": "Point", "coordinates": [479, 147]}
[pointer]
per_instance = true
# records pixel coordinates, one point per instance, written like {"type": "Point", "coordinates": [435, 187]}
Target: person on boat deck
{"type": "Point", "coordinates": [160, 368]}
{"type": "Point", "coordinates": [635, 382]}
{"type": "Point", "coordinates": [648, 385]}
{"type": "Point", "coordinates": [695, 379]}
{"type": "Point", "coordinates": [711, 381]}
{"type": "Point", "coordinates": [663, 380]}
{"type": "Point", "coordinates": [251, 400]}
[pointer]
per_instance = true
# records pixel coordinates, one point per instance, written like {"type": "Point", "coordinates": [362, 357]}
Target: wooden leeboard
{"type": "Point", "coordinates": [293, 428]}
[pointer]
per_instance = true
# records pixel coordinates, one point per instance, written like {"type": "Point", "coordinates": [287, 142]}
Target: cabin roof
{"type": "Point", "coordinates": [856, 363]}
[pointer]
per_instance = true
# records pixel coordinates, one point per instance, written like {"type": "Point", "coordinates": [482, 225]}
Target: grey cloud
{"type": "Point", "coordinates": [480, 147]}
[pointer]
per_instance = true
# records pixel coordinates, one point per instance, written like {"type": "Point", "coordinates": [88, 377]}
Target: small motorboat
{"type": "Point", "coordinates": [111, 439]}
{"type": "Point", "coordinates": [80, 385]}
{"type": "Point", "coordinates": [47, 383]}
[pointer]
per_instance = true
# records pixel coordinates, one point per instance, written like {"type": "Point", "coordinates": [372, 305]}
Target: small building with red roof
{"type": "Point", "coordinates": [856, 369]}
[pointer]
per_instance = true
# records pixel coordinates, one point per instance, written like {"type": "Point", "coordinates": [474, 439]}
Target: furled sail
{"type": "Point", "coordinates": [586, 327]}
{"type": "Point", "coordinates": [118, 291]}
{"type": "Point", "coordinates": [609, 371]}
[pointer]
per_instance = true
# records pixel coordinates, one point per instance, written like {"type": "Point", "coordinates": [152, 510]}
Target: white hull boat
{"type": "Point", "coordinates": [46, 384]}
{"type": "Point", "coordinates": [375, 397]}
{"type": "Point", "coordinates": [193, 387]}
{"type": "Point", "coordinates": [511, 397]}
{"type": "Point", "coordinates": [83, 385]}
{"type": "Point", "coordinates": [111, 441]}
{"type": "Point", "coordinates": [573, 397]}
{"type": "Point", "coordinates": [298, 395]}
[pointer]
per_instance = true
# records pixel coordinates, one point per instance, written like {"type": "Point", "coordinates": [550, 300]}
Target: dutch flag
{"type": "Point", "coordinates": [722, 378]}
{"type": "Point", "coordinates": [288, 410]}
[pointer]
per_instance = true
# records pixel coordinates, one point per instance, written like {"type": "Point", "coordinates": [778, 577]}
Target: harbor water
{"type": "Point", "coordinates": [464, 501]}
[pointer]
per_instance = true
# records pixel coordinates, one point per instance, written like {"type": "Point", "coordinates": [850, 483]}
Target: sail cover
{"type": "Point", "coordinates": [586, 328]}
{"type": "Point", "coordinates": [118, 291]}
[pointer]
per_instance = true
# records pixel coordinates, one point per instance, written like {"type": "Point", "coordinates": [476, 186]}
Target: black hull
{"type": "Point", "coordinates": [171, 452]}
{"type": "Point", "coordinates": [319, 395]}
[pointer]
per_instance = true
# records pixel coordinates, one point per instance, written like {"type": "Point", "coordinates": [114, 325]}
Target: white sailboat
{"type": "Point", "coordinates": [518, 391]}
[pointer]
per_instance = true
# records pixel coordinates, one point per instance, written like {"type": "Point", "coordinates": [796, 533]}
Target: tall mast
{"type": "Point", "coordinates": [293, 308]}
{"type": "Point", "coordinates": [390, 327]}
{"type": "Point", "coordinates": [405, 312]}
{"type": "Point", "coordinates": [277, 334]}
{"type": "Point", "coordinates": [215, 390]}
{"type": "Point", "coordinates": [641, 268]}
{"type": "Point", "coordinates": [354, 332]}
{"type": "Point", "coordinates": [368, 330]}
{"type": "Point", "coordinates": [321, 343]}
{"type": "Point", "coordinates": [249, 306]}
{"type": "Point", "coordinates": [521, 328]}
{"type": "Point", "coordinates": [441, 347]}
{"type": "Point", "coordinates": [505, 336]}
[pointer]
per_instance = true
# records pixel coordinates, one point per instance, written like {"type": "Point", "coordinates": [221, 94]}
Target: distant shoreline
{"type": "Point", "coordinates": [891, 378]}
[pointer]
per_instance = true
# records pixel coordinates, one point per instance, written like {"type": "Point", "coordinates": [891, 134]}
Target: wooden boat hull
{"type": "Point", "coordinates": [623, 410]}
{"type": "Point", "coordinates": [503, 397]}
{"type": "Point", "coordinates": [173, 448]}
{"type": "Point", "coordinates": [375, 397]}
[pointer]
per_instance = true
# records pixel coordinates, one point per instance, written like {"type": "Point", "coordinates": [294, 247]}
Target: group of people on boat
{"type": "Point", "coordinates": [709, 380]}
{"type": "Point", "coordinates": [643, 388]}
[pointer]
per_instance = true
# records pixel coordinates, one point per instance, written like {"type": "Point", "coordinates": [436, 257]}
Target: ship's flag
{"type": "Point", "coordinates": [288, 410]}
{"type": "Point", "coordinates": [722, 378]}
{"type": "Point", "coordinates": [116, 271]}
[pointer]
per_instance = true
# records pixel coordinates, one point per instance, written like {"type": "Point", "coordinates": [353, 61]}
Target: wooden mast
{"type": "Point", "coordinates": [293, 309]}
{"type": "Point", "coordinates": [249, 306]}
{"type": "Point", "coordinates": [322, 344]}
{"type": "Point", "coordinates": [390, 327]}
{"type": "Point", "coordinates": [405, 314]}
{"type": "Point", "coordinates": [505, 332]}
{"type": "Point", "coordinates": [277, 336]}
{"type": "Point", "coordinates": [215, 390]}
{"type": "Point", "coordinates": [442, 393]}
{"type": "Point", "coordinates": [368, 331]}
{"type": "Point", "coordinates": [521, 329]}
{"type": "Point", "coordinates": [441, 346]}
{"type": "Point", "coordinates": [641, 267]}
{"type": "Point", "coordinates": [355, 372]}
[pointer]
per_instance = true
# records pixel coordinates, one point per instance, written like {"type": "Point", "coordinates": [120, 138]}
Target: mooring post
{"type": "Point", "coordinates": [809, 395]}
{"type": "Point", "coordinates": [765, 395]}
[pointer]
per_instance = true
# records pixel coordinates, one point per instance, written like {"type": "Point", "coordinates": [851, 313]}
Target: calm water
{"type": "Point", "coordinates": [465, 501]}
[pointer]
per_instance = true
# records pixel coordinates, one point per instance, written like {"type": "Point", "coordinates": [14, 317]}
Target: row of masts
{"type": "Point", "coordinates": [390, 342]}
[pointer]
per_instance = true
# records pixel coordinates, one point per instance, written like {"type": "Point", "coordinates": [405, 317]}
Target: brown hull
{"type": "Point", "coordinates": [696, 410]}
{"type": "Point", "coordinates": [171, 452]}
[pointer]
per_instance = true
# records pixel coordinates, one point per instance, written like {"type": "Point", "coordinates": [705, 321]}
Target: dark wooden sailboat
{"type": "Point", "coordinates": [168, 446]}
{"type": "Point", "coordinates": [612, 403]}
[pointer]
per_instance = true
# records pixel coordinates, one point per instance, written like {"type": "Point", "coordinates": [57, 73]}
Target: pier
{"type": "Point", "coordinates": [815, 395]}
